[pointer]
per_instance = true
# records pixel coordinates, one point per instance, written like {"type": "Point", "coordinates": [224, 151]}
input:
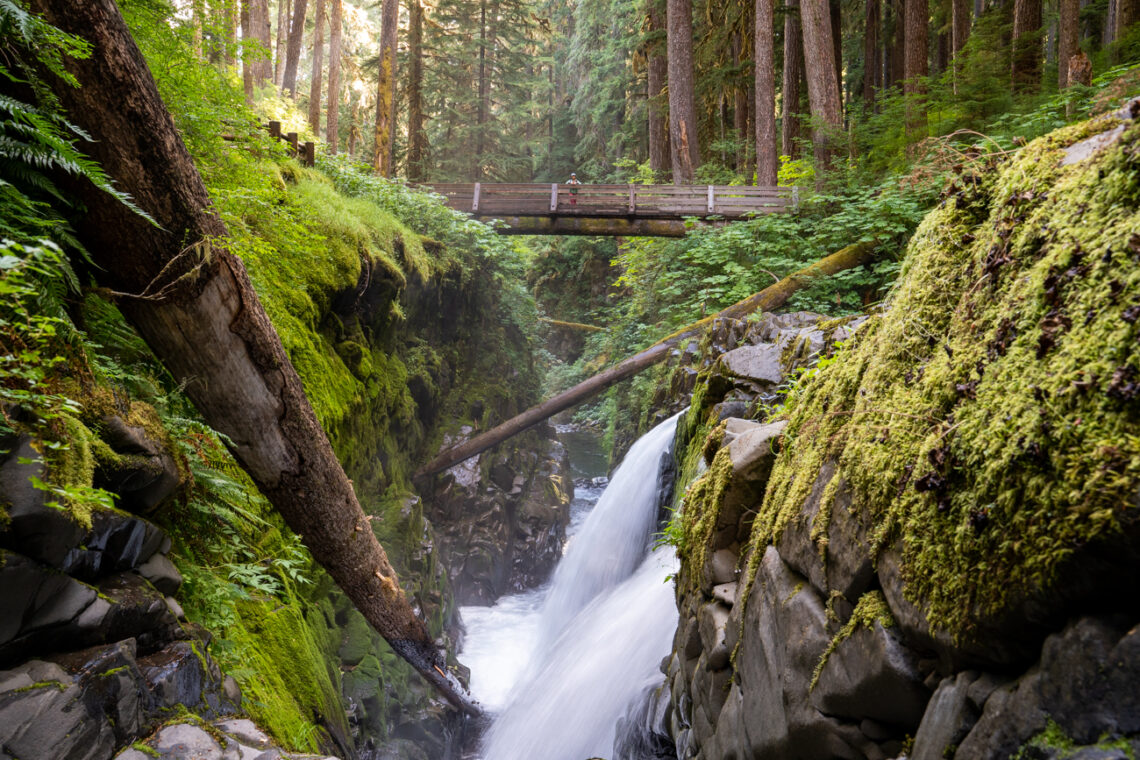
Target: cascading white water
{"type": "Point", "coordinates": [562, 674]}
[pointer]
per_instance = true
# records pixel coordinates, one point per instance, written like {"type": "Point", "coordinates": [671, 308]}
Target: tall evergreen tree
{"type": "Point", "coordinates": [823, 89]}
{"type": "Point", "coordinates": [293, 50]}
{"type": "Point", "coordinates": [683, 133]}
{"type": "Point", "coordinates": [386, 89]}
{"type": "Point", "coordinates": [792, 90]}
{"type": "Point", "coordinates": [1026, 56]}
{"type": "Point", "coordinates": [765, 60]}
{"type": "Point", "coordinates": [336, 31]}
{"type": "Point", "coordinates": [318, 67]}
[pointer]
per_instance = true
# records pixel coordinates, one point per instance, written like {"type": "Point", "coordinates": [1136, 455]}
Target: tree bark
{"type": "Point", "coordinates": [318, 69]}
{"type": "Point", "coordinates": [332, 122]}
{"type": "Point", "coordinates": [282, 40]}
{"type": "Point", "coordinates": [836, 9]}
{"type": "Point", "coordinates": [793, 78]}
{"type": "Point", "coordinates": [198, 312]}
{"type": "Point", "coordinates": [683, 147]}
{"type": "Point", "coordinates": [386, 88]}
{"type": "Point", "coordinates": [1127, 12]}
{"type": "Point", "coordinates": [417, 137]}
{"type": "Point", "coordinates": [766, 300]}
{"type": "Point", "coordinates": [740, 109]}
{"type": "Point", "coordinates": [293, 51]}
{"type": "Point", "coordinates": [658, 76]}
{"type": "Point", "coordinates": [1068, 38]}
{"type": "Point", "coordinates": [823, 90]}
{"type": "Point", "coordinates": [960, 32]}
{"type": "Point", "coordinates": [246, 54]}
{"type": "Point", "coordinates": [765, 61]}
{"type": "Point", "coordinates": [873, 21]}
{"type": "Point", "coordinates": [260, 66]}
{"type": "Point", "coordinates": [1025, 69]}
{"type": "Point", "coordinates": [896, 68]}
{"type": "Point", "coordinates": [916, 66]}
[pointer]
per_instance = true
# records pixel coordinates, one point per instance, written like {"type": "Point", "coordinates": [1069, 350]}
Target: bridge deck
{"type": "Point", "coordinates": [629, 202]}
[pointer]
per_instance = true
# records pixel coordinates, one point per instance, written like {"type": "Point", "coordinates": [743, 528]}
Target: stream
{"type": "Point", "coordinates": [558, 665]}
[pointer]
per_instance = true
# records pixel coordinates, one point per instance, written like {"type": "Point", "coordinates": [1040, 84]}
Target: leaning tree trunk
{"type": "Point", "coordinates": [823, 90]}
{"type": "Point", "coordinates": [682, 100]}
{"type": "Point", "coordinates": [318, 64]}
{"type": "Point", "coordinates": [194, 305]}
{"type": "Point", "coordinates": [658, 75]}
{"type": "Point", "coordinates": [765, 61]}
{"type": "Point", "coordinates": [793, 77]}
{"type": "Point", "coordinates": [293, 51]}
{"type": "Point", "coordinates": [1025, 69]}
{"type": "Point", "coordinates": [766, 300]}
{"type": "Point", "coordinates": [1068, 38]}
{"type": "Point", "coordinates": [332, 125]}
{"type": "Point", "coordinates": [386, 88]}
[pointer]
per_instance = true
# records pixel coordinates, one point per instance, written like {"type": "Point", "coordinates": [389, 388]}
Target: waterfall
{"type": "Point", "coordinates": [560, 664]}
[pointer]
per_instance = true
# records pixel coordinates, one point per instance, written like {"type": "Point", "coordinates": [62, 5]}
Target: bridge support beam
{"type": "Point", "coordinates": [617, 226]}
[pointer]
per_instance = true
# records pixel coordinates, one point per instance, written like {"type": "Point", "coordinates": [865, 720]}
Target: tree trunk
{"type": "Point", "coordinates": [1068, 38]}
{"type": "Point", "coordinates": [1026, 56]}
{"type": "Point", "coordinates": [282, 39]}
{"type": "Point", "coordinates": [293, 51]}
{"type": "Point", "coordinates": [260, 65]}
{"type": "Point", "coordinates": [791, 91]}
{"type": "Point", "coordinates": [683, 148]}
{"type": "Point", "coordinates": [916, 66]}
{"type": "Point", "coordinates": [740, 110]}
{"type": "Point", "coordinates": [870, 53]}
{"type": "Point", "coordinates": [318, 69]}
{"type": "Point", "coordinates": [960, 33]}
{"type": "Point", "coordinates": [765, 60]}
{"type": "Point", "coordinates": [246, 53]}
{"type": "Point", "coordinates": [417, 137]}
{"type": "Point", "coordinates": [823, 89]}
{"type": "Point", "coordinates": [836, 10]}
{"type": "Point", "coordinates": [353, 129]}
{"type": "Point", "coordinates": [1126, 15]}
{"type": "Point", "coordinates": [386, 88]}
{"type": "Point", "coordinates": [896, 60]}
{"type": "Point", "coordinates": [766, 300]}
{"type": "Point", "coordinates": [332, 122]}
{"type": "Point", "coordinates": [658, 75]}
{"type": "Point", "coordinates": [198, 312]}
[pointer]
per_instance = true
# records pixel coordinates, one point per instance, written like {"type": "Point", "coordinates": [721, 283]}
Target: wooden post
{"type": "Point", "coordinates": [712, 200]}
{"type": "Point", "coordinates": [553, 197]}
{"type": "Point", "coordinates": [475, 198]}
{"type": "Point", "coordinates": [310, 154]}
{"type": "Point", "coordinates": [632, 201]}
{"type": "Point", "coordinates": [291, 138]}
{"type": "Point", "coordinates": [275, 129]}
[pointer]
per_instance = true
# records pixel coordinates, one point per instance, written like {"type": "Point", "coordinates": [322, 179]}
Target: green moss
{"type": "Point", "coordinates": [986, 420]}
{"type": "Point", "coordinates": [699, 511]}
{"type": "Point", "coordinates": [871, 609]}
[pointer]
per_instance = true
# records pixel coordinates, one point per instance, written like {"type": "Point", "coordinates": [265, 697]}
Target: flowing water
{"type": "Point", "coordinates": [558, 665]}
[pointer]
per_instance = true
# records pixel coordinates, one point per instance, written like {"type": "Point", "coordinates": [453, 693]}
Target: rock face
{"type": "Point", "coordinates": [224, 740]}
{"type": "Point", "coordinates": [914, 551]}
{"type": "Point", "coordinates": [501, 519]}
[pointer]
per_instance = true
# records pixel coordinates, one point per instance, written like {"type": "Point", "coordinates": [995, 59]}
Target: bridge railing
{"type": "Point", "coordinates": [643, 201]}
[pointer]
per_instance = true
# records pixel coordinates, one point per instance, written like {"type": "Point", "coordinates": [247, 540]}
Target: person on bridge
{"type": "Point", "coordinates": [573, 191]}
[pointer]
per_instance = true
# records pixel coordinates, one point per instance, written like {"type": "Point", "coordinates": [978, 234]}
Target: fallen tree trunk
{"type": "Point", "coordinates": [571, 325]}
{"type": "Point", "coordinates": [766, 300]}
{"type": "Point", "coordinates": [193, 303]}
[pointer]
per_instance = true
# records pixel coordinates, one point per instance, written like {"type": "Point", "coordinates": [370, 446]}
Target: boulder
{"type": "Point", "coordinates": [642, 733]}
{"type": "Point", "coordinates": [1085, 682]}
{"type": "Point", "coordinates": [162, 574]}
{"type": "Point", "coordinates": [144, 474]}
{"type": "Point", "coordinates": [38, 606]}
{"type": "Point", "coordinates": [949, 716]}
{"type": "Point", "coordinates": [711, 622]}
{"type": "Point", "coordinates": [112, 686]}
{"type": "Point", "coordinates": [117, 541]}
{"type": "Point", "coordinates": [872, 674]}
{"type": "Point", "coordinates": [43, 716]}
{"type": "Point", "coordinates": [760, 364]}
{"type": "Point", "coordinates": [183, 741]}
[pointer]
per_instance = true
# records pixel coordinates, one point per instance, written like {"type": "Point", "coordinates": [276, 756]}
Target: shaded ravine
{"type": "Point", "coordinates": [558, 665]}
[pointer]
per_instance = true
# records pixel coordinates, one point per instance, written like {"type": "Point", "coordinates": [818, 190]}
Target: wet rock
{"type": "Point", "coordinates": [185, 742]}
{"type": "Point", "coordinates": [873, 675]}
{"type": "Point", "coordinates": [112, 686]}
{"type": "Point", "coordinates": [162, 574]}
{"type": "Point", "coordinates": [711, 622]}
{"type": "Point", "coordinates": [1085, 681]}
{"type": "Point", "coordinates": [642, 733]}
{"type": "Point", "coordinates": [177, 675]}
{"type": "Point", "coordinates": [38, 606]}
{"type": "Point", "coordinates": [128, 607]}
{"type": "Point", "coordinates": [43, 716]}
{"type": "Point", "coordinates": [244, 731]}
{"type": "Point", "coordinates": [117, 541]}
{"type": "Point", "coordinates": [34, 529]}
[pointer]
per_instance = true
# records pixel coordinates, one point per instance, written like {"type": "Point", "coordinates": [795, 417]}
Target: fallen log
{"type": "Point", "coordinates": [193, 303]}
{"type": "Point", "coordinates": [766, 300]}
{"type": "Point", "coordinates": [571, 325]}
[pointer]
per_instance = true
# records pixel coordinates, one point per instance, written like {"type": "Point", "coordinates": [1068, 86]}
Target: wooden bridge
{"type": "Point", "coordinates": [646, 210]}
